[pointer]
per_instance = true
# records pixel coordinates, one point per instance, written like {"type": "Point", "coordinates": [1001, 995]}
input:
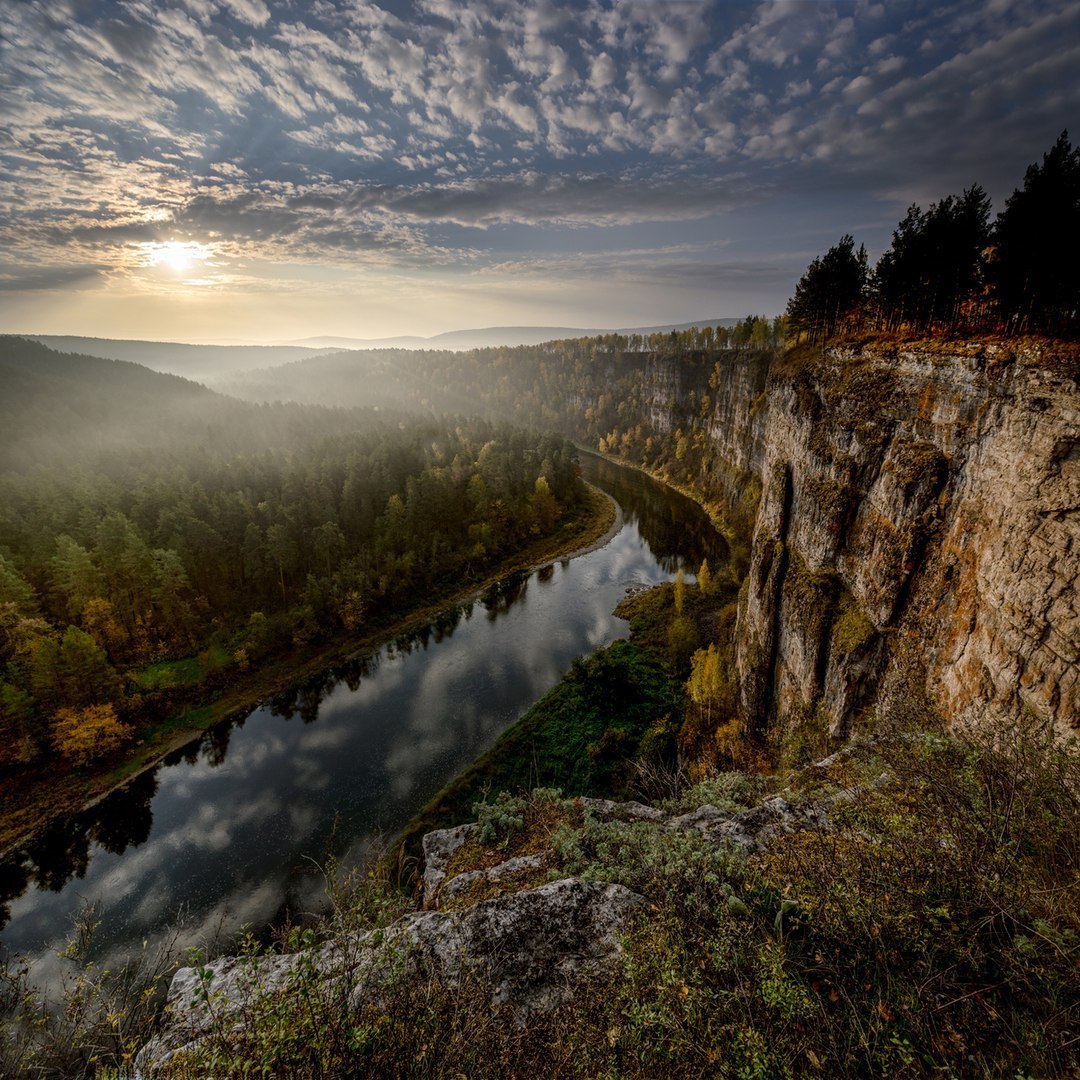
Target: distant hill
{"type": "Point", "coordinates": [57, 404]}
{"type": "Point", "coordinates": [496, 335]}
{"type": "Point", "coordinates": [384, 378]}
{"type": "Point", "coordinates": [63, 408]}
{"type": "Point", "coordinates": [447, 378]}
{"type": "Point", "coordinates": [192, 361]}
{"type": "Point", "coordinates": [203, 362]}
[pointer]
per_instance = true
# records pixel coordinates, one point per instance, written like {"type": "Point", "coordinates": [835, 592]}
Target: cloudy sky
{"type": "Point", "coordinates": [255, 170]}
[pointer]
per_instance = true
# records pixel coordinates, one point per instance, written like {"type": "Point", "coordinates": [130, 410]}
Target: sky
{"type": "Point", "coordinates": [252, 170]}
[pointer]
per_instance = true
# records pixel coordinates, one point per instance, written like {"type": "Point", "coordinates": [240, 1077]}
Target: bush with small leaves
{"type": "Point", "coordinates": [731, 791]}
{"type": "Point", "coordinates": [497, 821]}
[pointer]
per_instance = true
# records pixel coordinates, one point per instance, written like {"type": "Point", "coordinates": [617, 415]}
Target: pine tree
{"type": "Point", "coordinates": [832, 290]}
{"type": "Point", "coordinates": [1036, 272]}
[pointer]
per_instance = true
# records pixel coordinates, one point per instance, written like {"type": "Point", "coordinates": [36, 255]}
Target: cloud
{"type": "Point", "coordinates": [254, 12]}
{"type": "Point", "coordinates": [603, 72]}
{"type": "Point", "coordinates": [947, 125]}
{"type": "Point", "coordinates": [361, 132]}
{"type": "Point", "coordinates": [535, 198]}
{"type": "Point", "coordinates": [47, 278]}
{"type": "Point", "coordinates": [685, 266]}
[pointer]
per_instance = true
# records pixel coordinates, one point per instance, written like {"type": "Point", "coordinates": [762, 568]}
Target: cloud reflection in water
{"type": "Point", "coordinates": [229, 830]}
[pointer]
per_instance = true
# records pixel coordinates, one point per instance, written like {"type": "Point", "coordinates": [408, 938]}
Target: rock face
{"type": "Point", "coordinates": [737, 421]}
{"type": "Point", "coordinates": [725, 401]}
{"type": "Point", "coordinates": [531, 946]}
{"type": "Point", "coordinates": [918, 533]}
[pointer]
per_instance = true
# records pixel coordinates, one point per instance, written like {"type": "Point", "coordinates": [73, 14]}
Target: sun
{"type": "Point", "coordinates": [178, 255]}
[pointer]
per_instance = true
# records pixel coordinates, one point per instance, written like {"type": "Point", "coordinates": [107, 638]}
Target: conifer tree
{"type": "Point", "coordinates": [1037, 271]}
{"type": "Point", "coordinates": [831, 291]}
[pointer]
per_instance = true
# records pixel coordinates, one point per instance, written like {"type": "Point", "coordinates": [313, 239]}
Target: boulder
{"type": "Point", "coordinates": [461, 885]}
{"type": "Point", "coordinates": [439, 847]}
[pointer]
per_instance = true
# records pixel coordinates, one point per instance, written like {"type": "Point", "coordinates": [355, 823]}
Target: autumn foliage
{"type": "Point", "coordinates": [83, 735]}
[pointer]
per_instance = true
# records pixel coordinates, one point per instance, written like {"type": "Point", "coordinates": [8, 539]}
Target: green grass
{"type": "Point", "coordinates": [187, 671]}
{"type": "Point", "coordinates": [610, 712]}
{"type": "Point", "coordinates": [580, 736]}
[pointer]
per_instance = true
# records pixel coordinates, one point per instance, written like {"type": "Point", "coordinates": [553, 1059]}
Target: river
{"type": "Point", "coordinates": [231, 829]}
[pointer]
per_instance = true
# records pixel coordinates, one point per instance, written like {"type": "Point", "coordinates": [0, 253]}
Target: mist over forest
{"type": "Point", "coordinates": [432, 647]}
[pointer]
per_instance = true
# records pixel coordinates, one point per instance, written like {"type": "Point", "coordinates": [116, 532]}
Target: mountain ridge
{"type": "Point", "coordinates": [175, 357]}
{"type": "Point", "coordinates": [195, 361]}
{"type": "Point", "coordinates": [480, 337]}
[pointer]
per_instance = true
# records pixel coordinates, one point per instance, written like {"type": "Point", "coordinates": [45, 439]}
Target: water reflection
{"type": "Point", "coordinates": [674, 526]}
{"type": "Point", "coordinates": [62, 851]}
{"type": "Point", "coordinates": [227, 828]}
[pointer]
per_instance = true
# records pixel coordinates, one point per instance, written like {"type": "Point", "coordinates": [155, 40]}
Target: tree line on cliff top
{"type": "Point", "coordinates": [949, 268]}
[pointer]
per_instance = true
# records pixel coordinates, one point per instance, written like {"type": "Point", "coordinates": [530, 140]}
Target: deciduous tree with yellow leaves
{"type": "Point", "coordinates": [82, 735]}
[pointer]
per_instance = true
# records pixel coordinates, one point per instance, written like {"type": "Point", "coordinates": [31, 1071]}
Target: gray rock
{"type": "Point", "coordinates": [531, 947]}
{"type": "Point", "coordinates": [439, 846]}
{"type": "Point", "coordinates": [534, 945]}
{"type": "Point", "coordinates": [460, 885]}
{"type": "Point", "coordinates": [755, 828]}
{"type": "Point", "coordinates": [704, 818]}
{"type": "Point", "coordinates": [608, 809]}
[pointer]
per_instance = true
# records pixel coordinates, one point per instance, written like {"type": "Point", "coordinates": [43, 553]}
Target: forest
{"type": "Point", "coordinates": [156, 537]}
{"type": "Point", "coordinates": [597, 391]}
{"type": "Point", "coordinates": [950, 270]}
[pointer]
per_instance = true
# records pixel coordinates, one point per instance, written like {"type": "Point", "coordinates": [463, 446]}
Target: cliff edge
{"type": "Point", "coordinates": [918, 537]}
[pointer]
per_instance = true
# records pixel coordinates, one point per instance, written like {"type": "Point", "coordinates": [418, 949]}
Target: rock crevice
{"type": "Point", "coordinates": [911, 516]}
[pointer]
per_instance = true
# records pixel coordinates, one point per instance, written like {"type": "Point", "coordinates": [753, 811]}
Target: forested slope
{"type": "Point", "coordinates": [56, 405]}
{"type": "Point", "coordinates": [156, 537]}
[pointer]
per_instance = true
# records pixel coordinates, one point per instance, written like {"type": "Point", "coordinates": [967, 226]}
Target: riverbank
{"type": "Point", "coordinates": [30, 802]}
{"type": "Point", "coordinates": [718, 510]}
{"type": "Point", "coordinates": [613, 711]}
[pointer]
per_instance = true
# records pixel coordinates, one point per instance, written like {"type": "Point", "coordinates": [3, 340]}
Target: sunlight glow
{"type": "Point", "coordinates": [177, 255]}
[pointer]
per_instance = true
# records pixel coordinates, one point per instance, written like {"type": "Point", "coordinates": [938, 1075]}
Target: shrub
{"type": "Point", "coordinates": [679, 868]}
{"type": "Point", "coordinates": [940, 921]}
{"type": "Point", "coordinates": [499, 820]}
{"type": "Point", "coordinates": [103, 1017]}
{"type": "Point", "coordinates": [732, 791]}
{"type": "Point", "coordinates": [86, 734]}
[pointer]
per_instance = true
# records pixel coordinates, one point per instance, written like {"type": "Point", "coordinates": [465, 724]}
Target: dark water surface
{"type": "Point", "coordinates": [228, 830]}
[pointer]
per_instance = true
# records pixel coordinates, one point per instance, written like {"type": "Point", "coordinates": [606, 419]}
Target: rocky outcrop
{"type": "Point", "coordinates": [913, 519]}
{"type": "Point", "coordinates": [738, 414]}
{"type": "Point", "coordinates": [666, 389]}
{"type": "Point", "coordinates": [531, 947]}
{"type": "Point", "coordinates": [439, 847]}
{"type": "Point", "coordinates": [918, 535]}
{"type": "Point", "coordinates": [725, 400]}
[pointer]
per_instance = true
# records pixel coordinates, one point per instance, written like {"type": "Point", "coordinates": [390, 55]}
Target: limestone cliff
{"type": "Point", "coordinates": [722, 403]}
{"type": "Point", "coordinates": [918, 533]}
